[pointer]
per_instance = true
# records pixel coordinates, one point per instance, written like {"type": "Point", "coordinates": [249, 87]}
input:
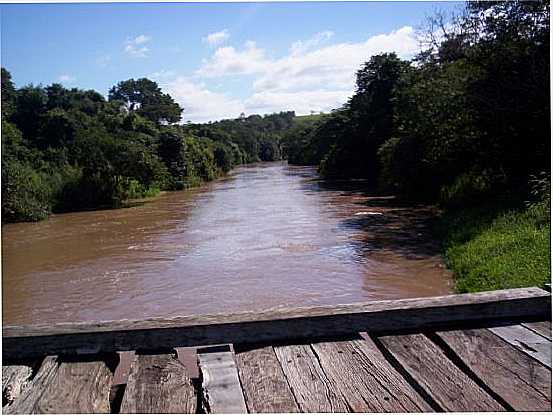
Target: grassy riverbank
{"type": "Point", "coordinates": [491, 248]}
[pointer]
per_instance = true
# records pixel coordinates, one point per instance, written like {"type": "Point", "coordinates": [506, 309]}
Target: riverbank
{"type": "Point", "coordinates": [489, 249]}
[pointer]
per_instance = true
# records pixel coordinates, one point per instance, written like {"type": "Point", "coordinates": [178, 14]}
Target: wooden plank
{"type": "Point", "coordinates": [189, 359]}
{"type": "Point", "coordinates": [77, 387]}
{"type": "Point", "coordinates": [14, 380]}
{"type": "Point", "coordinates": [123, 369]}
{"type": "Point", "coordinates": [27, 401]}
{"type": "Point", "coordinates": [543, 328]}
{"type": "Point", "coordinates": [273, 325]}
{"type": "Point", "coordinates": [158, 384]}
{"type": "Point", "coordinates": [365, 378]}
{"type": "Point", "coordinates": [526, 341]}
{"type": "Point", "coordinates": [437, 375]}
{"type": "Point", "coordinates": [263, 382]}
{"type": "Point", "coordinates": [313, 391]}
{"type": "Point", "coordinates": [220, 383]}
{"type": "Point", "coordinates": [521, 381]}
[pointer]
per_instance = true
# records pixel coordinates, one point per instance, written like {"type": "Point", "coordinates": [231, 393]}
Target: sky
{"type": "Point", "coordinates": [217, 60]}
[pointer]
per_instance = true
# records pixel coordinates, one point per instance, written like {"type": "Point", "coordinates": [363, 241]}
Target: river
{"type": "Point", "coordinates": [267, 235]}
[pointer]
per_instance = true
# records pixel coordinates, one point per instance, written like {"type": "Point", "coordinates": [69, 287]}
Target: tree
{"type": "Point", "coordinates": [8, 94]}
{"type": "Point", "coordinates": [144, 97]}
{"type": "Point", "coordinates": [30, 104]}
{"type": "Point", "coordinates": [172, 151]}
{"type": "Point", "coordinates": [365, 122]}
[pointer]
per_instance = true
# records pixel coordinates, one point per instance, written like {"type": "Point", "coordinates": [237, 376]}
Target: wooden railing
{"type": "Point", "coordinates": [274, 325]}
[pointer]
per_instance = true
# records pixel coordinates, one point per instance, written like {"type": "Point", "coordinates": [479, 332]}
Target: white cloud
{"type": "Point", "coordinates": [162, 74]}
{"type": "Point", "coordinates": [200, 104]}
{"type": "Point", "coordinates": [140, 39]}
{"type": "Point", "coordinates": [136, 47]}
{"type": "Point", "coordinates": [302, 46]}
{"type": "Point", "coordinates": [332, 67]}
{"type": "Point", "coordinates": [66, 79]}
{"type": "Point", "coordinates": [302, 102]}
{"type": "Point", "coordinates": [313, 76]}
{"type": "Point", "coordinates": [217, 37]}
{"type": "Point", "coordinates": [229, 61]}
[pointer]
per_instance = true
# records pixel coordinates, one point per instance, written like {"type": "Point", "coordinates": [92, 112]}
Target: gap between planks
{"type": "Point", "coordinates": [523, 383]}
{"type": "Point", "coordinates": [442, 380]}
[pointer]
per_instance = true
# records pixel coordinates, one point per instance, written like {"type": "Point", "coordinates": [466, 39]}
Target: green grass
{"type": "Point", "coordinates": [488, 249]}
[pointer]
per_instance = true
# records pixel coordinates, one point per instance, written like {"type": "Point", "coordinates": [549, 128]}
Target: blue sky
{"type": "Point", "coordinates": [216, 60]}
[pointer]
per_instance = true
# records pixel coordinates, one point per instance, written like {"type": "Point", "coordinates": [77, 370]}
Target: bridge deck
{"type": "Point", "coordinates": [488, 364]}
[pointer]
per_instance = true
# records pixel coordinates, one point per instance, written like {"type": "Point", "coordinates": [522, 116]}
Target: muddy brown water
{"type": "Point", "coordinates": [266, 236]}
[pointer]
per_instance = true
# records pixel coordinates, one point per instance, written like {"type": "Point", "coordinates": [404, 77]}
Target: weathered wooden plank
{"type": "Point", "coordinates": [220, 383]}
{"type": "Point", "coordinates": [526, 341]}
{"type": "Point", "coordinates": [77, 387]}
{"type": "Point", "coordinates": [365, 378]}
{"type": "Point", "coordinates": [273, 325]}
{"type": "Point", "coordinates": [521, 381]}
{"type": "Point", "coordinates": [158, 384]}
{"type": "Point", "coordinates": [123, 369]}
{"type": "Point", "coordinates": [263, 382]}
{"type": "Point", "coordinates": [189, 359]}
{"type": "Point", "coordinates": [14, 380]}
{"type": "Point", "coordinates": [437, 375]}
{"type": "Point", "coordinates": [27, 401]}
{"type": "Point", "coordinates": [313, 391]}
{"type": "Point", "coordinates": [541, 327]}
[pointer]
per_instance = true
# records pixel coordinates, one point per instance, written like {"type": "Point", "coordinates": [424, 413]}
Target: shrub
{"type": "Point", "coordinates": [26, 194]}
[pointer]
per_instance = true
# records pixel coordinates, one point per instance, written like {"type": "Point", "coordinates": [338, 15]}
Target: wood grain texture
{"type": "Point", "coordinates": [272, 325]}
{"type": "Point", "coordinates": [437, 375]}
{"type": "Point", "coordinates": [189, 359]}
{"type": "Point", "coordinates": [312, 389]}
{"type": "Point", "coordinates": [263, 382]}
{"type": "Point", "coordinates": [77, 387]}
{"type": "Point", "coordinates": [14, 380]}
{"type": "Point", "coordinates": [365, 379]}
{"type": "Point", "coordinates": [123, 369]}
{"type": "Point", "coordinates": [221, 384]}
{"type": "Point", "coordinates": [541, 327]}
{"type": "Point", "coordinates": [522, 382]}
{"type": "Point", "coordinates": [158, 384]}
{"type": "Point", "coordinates": [27, 402]}
{"type": "Point", "coordinates": [527, 341]}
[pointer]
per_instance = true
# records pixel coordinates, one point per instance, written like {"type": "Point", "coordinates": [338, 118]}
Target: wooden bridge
{"type": "Point", "coordinates": [472, 352]}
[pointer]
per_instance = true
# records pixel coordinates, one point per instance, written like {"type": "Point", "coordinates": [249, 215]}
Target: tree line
{"type": "Point", "coordinates": [466, 121]}
{"type": "Point", "coordinates": [72, 149]}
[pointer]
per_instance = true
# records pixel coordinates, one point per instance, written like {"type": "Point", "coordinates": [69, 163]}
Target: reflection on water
{"type": "Point", "coordinates": [268, 235]}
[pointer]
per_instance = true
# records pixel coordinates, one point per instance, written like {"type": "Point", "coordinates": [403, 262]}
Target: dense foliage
{"type": "Point", "coordinates": [70, 149]}
{"type": "Point", "coordinates": [466, 120]}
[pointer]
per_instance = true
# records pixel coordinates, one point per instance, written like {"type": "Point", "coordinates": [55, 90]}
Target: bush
{"type": "Point", "coordinates": [471, 188]}
{"type": "Point", "coordinates": [26, 194]}
{"type": "Point", "coordinates": [223, 157]}
{"type": "Point", "coordinates": [400, 169]}
{"type": "Point", "coordinates": [200, 162]}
